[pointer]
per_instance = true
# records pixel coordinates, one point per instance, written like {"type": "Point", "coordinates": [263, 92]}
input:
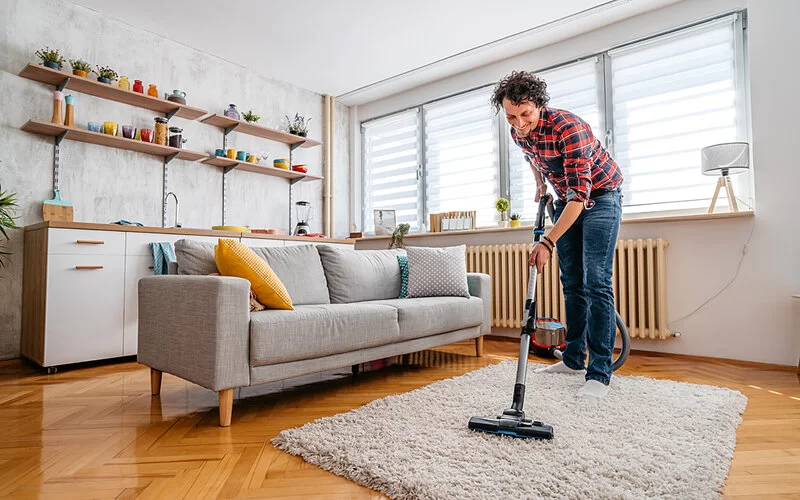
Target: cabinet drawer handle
{"type": "Point", "coordinates": [91, 242]}
{"type": "Point", "coordinates": [151, 267]}
{"type": "Point", "coordinates": [88, 267]}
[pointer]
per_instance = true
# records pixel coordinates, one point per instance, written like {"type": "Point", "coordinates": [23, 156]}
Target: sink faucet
{"type": "Point", "coordinates": [166, 201]}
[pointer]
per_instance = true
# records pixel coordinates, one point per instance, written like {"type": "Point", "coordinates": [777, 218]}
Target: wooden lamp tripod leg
{"type": "Point", "coordinates": [720, 183]}
{"type": "Point", "coordinates": [731, 197]}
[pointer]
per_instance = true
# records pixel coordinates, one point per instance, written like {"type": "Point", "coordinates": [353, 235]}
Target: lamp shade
{"type": "Point", "coordinates": [725, 158]}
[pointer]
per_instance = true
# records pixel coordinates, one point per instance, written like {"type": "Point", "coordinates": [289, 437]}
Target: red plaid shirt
{"type": "Point", "coordinates": [563, 148]}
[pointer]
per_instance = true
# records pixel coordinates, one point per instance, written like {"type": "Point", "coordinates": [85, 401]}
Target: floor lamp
{"type": "Point", "coordinates": [723, 160]}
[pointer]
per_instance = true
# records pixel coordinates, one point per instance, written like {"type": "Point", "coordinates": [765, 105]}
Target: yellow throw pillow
{"type": "Point", "coordinates": [236, 259]}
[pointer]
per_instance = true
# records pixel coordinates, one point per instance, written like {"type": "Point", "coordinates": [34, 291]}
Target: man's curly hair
{"type": "Point", "coordinates": [518, 87]}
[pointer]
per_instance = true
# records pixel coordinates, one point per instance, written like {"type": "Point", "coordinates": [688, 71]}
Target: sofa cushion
{"type": "Point", "coordinates": [425, 316]}
{"type": "Point", "coordinates": [313, 331]}
{"type": "Point", "coordinates": [403, 261]}
{"type": "Point", "coordinates": [236, 259]}
{"type": "Point", "coordinates": [437, 272]}
{"type": "Point", "coordinates": [300, 269]}
{"type": "Point", "coordinates": [359, 275]}
{"type": "Point", "coordinates": [195, 258]}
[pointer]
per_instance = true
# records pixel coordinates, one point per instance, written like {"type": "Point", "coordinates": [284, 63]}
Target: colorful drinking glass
{"type": "Point", "coordinates": [110, 128]}
{"type": "Point", "coordinates": [94, 126]}
{"type": "Point", "coordinates": [128, 131]}
{"type": "Point", "coordinates": [147, 134]}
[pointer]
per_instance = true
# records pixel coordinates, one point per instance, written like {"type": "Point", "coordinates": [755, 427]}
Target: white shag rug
{"type": "Point", "coordinates": [647, 439]}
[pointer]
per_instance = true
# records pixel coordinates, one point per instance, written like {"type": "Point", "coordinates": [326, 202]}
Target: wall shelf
{"type": "Point", "coordinates": [112, 93]}
{"type": "Point", "coordinates": [81, 135]}
{"type": "Point", "coordinates": [229, 164]}
{"type": "Point", "coordinates": [243, 127]}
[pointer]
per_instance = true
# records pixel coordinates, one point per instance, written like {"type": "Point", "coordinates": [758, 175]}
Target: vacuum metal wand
{"type": "Point", "coordinates": [529, 324]}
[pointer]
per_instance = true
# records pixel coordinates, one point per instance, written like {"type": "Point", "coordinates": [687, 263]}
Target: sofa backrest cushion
{"type": "Point", "coordinates": [195, 257]}
{"type": "Point", "coordinates": [359, 275]}
{"type": "Point", "coordinates": [300, 269]}
{"type": "Point", "coordinates": [437, 272]}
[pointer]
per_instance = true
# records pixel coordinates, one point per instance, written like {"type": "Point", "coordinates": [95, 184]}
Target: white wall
{"type": "Point", "coordinates": [754, 319]}
{"type": "Point", "coordinates": [106, 184]}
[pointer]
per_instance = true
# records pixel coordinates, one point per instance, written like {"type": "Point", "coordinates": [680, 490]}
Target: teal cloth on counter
{"type": "Point", "coordinates": [163, 254]}
{"type": "Point", "coordinates": [123, 222]}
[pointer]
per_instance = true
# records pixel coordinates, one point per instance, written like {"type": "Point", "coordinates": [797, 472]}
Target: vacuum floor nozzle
{"type": "Point", "coordinates": [519, 428]}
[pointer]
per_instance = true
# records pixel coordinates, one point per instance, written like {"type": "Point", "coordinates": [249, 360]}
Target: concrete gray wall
{"type": "Point", "coordinates": [106, 184]}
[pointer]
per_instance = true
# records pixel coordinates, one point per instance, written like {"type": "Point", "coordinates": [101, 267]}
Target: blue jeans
{"type": "Point", "coordinates": [586, 260]}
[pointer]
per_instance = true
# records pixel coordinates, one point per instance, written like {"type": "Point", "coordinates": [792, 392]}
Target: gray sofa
{"type": "Point", "coordinates": [346, 312]}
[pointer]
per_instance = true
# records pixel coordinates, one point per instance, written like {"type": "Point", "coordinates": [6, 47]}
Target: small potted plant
{"type": "Point", "coordinates": [50, 57]}
{"type": "Point", "coordinates": [502, 205]}
{"type": "Point", "coordinates": [80, 67]}
{"type": "Point", "coordinates": [298, 126]}
{"type": "Point", "coordinates": [8, 216]}
{"type": "Point", "coordinates": [515, 222]}
{"type": "Point", "coordinates": [250, 117]}
{"type": "Point", "coordinates": [105, 75]}
{"type": "Point", "coordinates": [397, 236]}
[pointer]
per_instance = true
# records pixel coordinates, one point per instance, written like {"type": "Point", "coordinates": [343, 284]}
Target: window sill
{"type": "Point", "coordinates": [642, 218]}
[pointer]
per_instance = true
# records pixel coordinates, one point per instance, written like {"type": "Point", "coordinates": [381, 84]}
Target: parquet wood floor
{"type": "Point", "coordinates": [95, 432]}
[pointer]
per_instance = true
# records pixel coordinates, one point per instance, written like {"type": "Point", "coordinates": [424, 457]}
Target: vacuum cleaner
{"type": "Point", "coordinates": [512, 421]}
{"type": "Point", "coordinates": [545, 336]}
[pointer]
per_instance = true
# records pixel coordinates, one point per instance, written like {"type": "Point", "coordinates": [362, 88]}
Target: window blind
{"type": "Point", "coordinates": [461, 156]}
{"type": "Point", "coordinates": [391, 166]}
{"type": "Point", "coordinates": [671, 97]}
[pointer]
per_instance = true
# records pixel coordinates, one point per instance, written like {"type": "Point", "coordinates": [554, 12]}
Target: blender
{"type": "Point", "coordinates": [303, 210]}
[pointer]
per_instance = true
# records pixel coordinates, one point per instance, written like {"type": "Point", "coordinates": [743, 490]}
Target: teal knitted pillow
{"type": "Point", "coordinates": [403, 261]}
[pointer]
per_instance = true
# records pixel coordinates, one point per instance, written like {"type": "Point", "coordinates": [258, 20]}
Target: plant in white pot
{"type": "Point", "coordinates": [502, 205]}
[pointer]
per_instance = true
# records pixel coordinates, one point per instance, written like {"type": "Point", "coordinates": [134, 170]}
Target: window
{"type": "Point", "coordinates": [671, 97]}
{"type": "Point", "coordinates": [462, 167]}
{"type": "Point", "coordinates": [391, 154]}
{"type": "Point", "coordinates": [654, 104]}
{"type": "Point", "coordinates": [574, 87]}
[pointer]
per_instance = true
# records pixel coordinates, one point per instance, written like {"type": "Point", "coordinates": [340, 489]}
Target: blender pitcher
{"type": "Point", "coordinates": [303, 210]}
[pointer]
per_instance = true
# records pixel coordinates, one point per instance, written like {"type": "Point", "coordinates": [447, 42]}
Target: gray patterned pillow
{"type": "Point", "coordinates": [437, 272]}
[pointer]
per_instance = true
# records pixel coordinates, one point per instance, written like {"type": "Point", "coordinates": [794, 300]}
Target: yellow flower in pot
{"type": "Point", "coordinates": [515, 222]}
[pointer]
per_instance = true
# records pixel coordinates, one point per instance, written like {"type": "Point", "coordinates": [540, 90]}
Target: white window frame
{"type": "Point", "coordinates": [745, 184]}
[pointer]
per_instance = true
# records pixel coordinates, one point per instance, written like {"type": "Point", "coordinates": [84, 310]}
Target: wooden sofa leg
{"type": "Point", "coordinates": [479, 346]}
{"type": "Point", "coordinates": [155, 381]}
{"type": "Point", "coordinates": [225, 407]}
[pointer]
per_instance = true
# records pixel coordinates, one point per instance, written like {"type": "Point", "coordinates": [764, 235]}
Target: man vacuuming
{"type": "Point", "coordinates": [560, 146]}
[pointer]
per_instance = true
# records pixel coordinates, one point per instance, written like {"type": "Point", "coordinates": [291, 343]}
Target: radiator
{"type": "Point", "coordinates": [638, 281]}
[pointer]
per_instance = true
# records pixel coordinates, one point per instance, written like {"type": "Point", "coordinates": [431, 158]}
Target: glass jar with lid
{"type": "Point", "coordinates": [161, 131]}
{"type": "Point", "coordinates": [176, 139]}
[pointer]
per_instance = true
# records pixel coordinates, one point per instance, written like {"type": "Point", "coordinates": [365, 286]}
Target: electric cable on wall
{"type": "Point", "coordinates": [738, 268]}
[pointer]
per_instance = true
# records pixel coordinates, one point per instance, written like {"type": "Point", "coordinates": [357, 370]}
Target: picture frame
{"type": "Point", "coordinates": [385, 222]}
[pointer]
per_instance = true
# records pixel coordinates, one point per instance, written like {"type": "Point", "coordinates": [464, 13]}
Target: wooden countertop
{"type": "Point", "coordinates": [176, 230]}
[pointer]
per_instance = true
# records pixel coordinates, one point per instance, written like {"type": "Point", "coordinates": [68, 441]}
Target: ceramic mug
{"type": "Point", "coordinates": [128, 131]}
{"type": "Point", "coordinates": [94, 126]}
{"type": "Point", "coordinates": [219, 152]}
{"type": "Point", "coordinates": [147, 134]}
{"type": "Point", "coordinates": [110, 128]}
{"type": "Point", "coordinates": [241, 156]}
{"type": "Point", "coordinates": [232, 154]}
